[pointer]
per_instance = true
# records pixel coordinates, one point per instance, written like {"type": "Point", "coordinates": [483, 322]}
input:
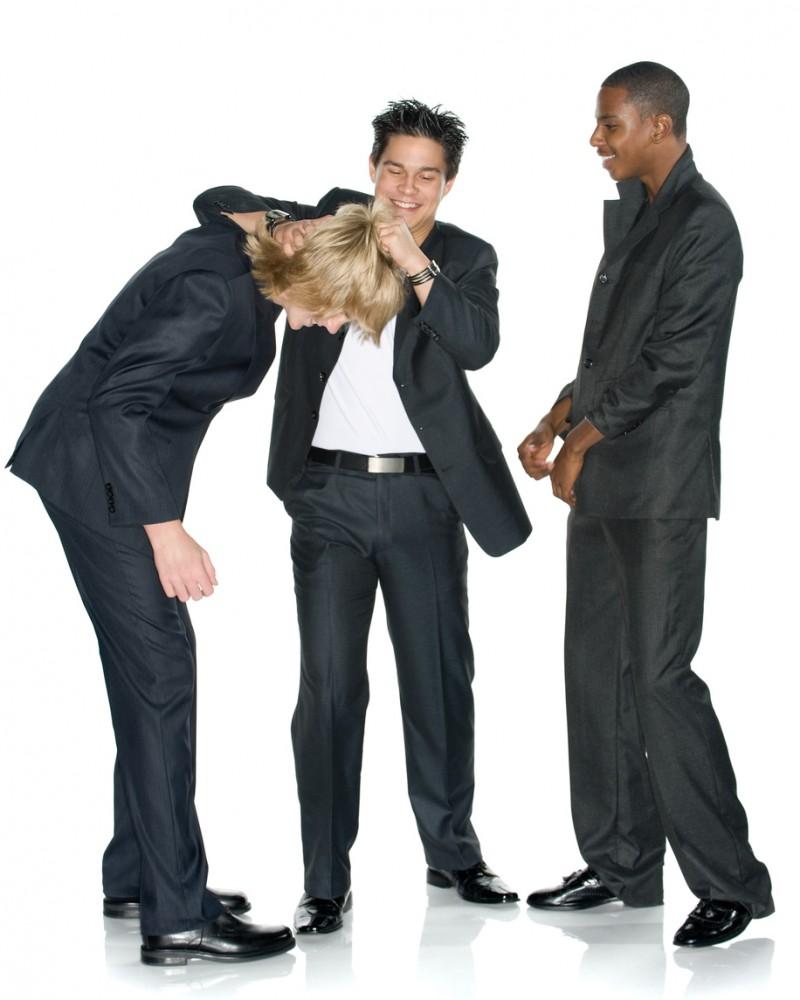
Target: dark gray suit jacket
{"type": "Point", "coordinates": [652, 366]}
{"type": "Point", "coordinates": [456, 330]}
{"type": "Point", "coordinates": [113, 438]}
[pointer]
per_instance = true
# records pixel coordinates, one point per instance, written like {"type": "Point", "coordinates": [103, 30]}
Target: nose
{"type": "Point", "coordinates": [407, 183]}
{"type": "Point", "coordinates": [333, 324]}
{"type": "Point", "coordinates": [595, 139]}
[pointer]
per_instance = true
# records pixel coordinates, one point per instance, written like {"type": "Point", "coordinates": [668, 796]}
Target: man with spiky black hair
{"type": "Point", "coordinates": [382, 455]}
{"type": "Point", "coordinates": [640, 471]}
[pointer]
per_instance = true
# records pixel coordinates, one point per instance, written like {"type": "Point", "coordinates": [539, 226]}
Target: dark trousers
{"type": "Point", "coordinates": [647, 756]}
{"type": "Point", "coordinates": [351, 532]}
{"type": "Point", "coordinates": [147, 649]}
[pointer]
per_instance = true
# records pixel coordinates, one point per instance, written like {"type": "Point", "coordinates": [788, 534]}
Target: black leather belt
{"type": "Point", "coordinates": [371, 463]}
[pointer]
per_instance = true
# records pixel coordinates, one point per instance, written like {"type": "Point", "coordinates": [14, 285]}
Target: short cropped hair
{"type": "Point", "coordinates": [654, 89]}
{"type": "Point", "coordinates": [341, 268]}
{"type": "Point", "coordinates": [411, 117]}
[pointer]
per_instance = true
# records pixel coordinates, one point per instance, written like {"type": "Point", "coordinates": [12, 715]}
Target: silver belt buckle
{"type": "Point", "coordinates": [375, 463]}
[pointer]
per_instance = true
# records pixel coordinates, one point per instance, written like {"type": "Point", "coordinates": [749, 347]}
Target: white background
{"type": "Point", "coordinates": [114, 116]}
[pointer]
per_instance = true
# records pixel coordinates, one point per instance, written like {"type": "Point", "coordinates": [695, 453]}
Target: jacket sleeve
{"type": "Point", "coordinates": [178, 327]}
{"type": "Point", "coordinates": [461, 315]}
{"type": "Point", "coordinates": [695, 309]}
{"type": "Point", "coordinates": [211, 203]}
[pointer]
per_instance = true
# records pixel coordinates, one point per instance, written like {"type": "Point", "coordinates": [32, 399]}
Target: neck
{"type": "Point", "coordinates": [420, 235]}
{"type": "Point", "coordinates": [654, 179]}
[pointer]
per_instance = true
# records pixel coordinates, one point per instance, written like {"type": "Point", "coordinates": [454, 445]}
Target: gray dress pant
{"type": "Point", "coordinates": [646, 752]}
{"type": "Point", "coordinates": [147, 649]}
{"type": "Point", "coordinates": [352, 531]}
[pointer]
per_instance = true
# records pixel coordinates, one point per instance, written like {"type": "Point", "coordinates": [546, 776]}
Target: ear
{"type": "Point", "coordinates": [373, 170]}
{"type": "Point", "coordinates": [662, 128]}
{"type": "Point", "coordinates": [448, 185]}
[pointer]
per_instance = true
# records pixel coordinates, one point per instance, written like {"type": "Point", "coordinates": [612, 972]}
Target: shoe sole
{"type": "Point", "coordinates": [717, 940]}
{"type": "Point", "coordinates": [573, 906]}
{"type": "Point", "coordinates": [443, 882]}
{"type": "Point", "coordinates": [132, 911]}
{"type": "Point", "coordinates": [311, 931]}
{"type": "Point", "coordinates": [179, 956]}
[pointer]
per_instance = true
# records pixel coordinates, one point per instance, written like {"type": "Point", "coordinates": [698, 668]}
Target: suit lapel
{"type": "Point", "coordinates": [627, 221]}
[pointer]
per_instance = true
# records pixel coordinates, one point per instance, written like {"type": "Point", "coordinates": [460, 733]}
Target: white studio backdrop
{"type": "Point", "coordinates": [115, 117]}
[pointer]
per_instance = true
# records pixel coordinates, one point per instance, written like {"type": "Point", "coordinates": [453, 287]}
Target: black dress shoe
{"type": "Point", "coordinates": [315, 915]}
{"type": "Point", "coordinates": [577, 891]}
{"type": "Point", "coordinates": [712, 921]}
{"type": "Point", "coordinates": [226, 939]}
{"type": "Point", "coordinates": [477, 884]}
{"type": "Point", "coordinates": [127, 907]}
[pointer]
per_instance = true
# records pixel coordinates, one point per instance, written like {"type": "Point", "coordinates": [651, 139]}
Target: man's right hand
{"type": "Point", "coordinates": [184, 568]}
{"type": "Point", "coordinates": [290, 236]}
{"type": "Point", "coordinates": [535, 449]}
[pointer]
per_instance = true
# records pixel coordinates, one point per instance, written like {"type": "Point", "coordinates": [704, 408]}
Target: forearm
{"type": "Point", "coordinates": [583, 437]}
{"type": "Point", "coordinates": [557, 420]}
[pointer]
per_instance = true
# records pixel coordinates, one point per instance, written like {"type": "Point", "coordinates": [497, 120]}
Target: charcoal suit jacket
{"type": "Point", "coordinates": [652, 365]}
{"type": "Point", "coordinates": [456, 330]}
{"type": "Point", "coordinates": [113, 438]}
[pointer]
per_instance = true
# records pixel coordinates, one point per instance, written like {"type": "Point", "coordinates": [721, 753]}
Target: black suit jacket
{"type": "Point", "coordinates": [113, 438]}
{"type": "Point", "coordinates": [457, 329]}
{"type": "Point", "coordinates": [652, 365]}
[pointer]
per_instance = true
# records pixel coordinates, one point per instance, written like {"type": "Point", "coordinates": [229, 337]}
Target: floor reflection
{"type": "Point", "coordinates": [624, 947]}
{"type": "Point", "coordinates": [448, 932]}
{"type": "Point", "coordinates": [743, 965]}
{"type": "Point", "coordinates": [329, 957]}
{"type": "Point", "coordinates": [213, 979]}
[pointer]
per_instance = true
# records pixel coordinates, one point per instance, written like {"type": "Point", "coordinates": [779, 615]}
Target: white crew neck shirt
{"type": "Point", "coordinates": [361, 409]}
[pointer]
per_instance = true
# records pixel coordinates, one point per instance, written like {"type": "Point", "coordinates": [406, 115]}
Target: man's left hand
{"type": "Point", "coordinates": [564, 474]}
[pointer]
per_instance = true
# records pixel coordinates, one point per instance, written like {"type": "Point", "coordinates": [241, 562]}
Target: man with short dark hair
{"type": "Point", "coordinates": [640, 470]}
{"type": "Point", "coordinates": [381, 455]}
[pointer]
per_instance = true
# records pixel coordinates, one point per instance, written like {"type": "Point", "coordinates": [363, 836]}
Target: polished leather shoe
{"type": "Point", "coordinates": [477, 884]}
{"type": "Point", "coordinates": [127, 907]}
{"type": "Point", "coordinates": [578, 891]}
{"type": "Point", "coordinates": [712, 921]}
{"type": "Point", "coordinates": [226, 939]}
{"type": "Point", "coordinates": [315, 915]}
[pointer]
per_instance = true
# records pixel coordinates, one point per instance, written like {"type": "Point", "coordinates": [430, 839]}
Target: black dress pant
{"type": "Point", "coordinates": [148, 653]}
{"type": "Point", "coordinates": [647, 756]}
{"type": "Point", "coordinates": [352, 531]}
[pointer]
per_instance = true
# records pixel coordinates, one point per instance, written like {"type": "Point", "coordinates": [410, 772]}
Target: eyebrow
{"type": "Point", "coordinates": [602, 118]}
{"type": "Point", "coordinates": [395, 163]}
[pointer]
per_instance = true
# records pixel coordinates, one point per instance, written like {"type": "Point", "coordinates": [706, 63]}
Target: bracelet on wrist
{"type": "Point", "coordinates": [274, 218]}
{"type": "Point", "coordinates": [426, 274]}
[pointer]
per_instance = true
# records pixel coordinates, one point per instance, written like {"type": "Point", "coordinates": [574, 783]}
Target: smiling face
{"type": "Point", "coordinates": [623, 139]}
{"type": "Point", "coordinates": [411, 176]}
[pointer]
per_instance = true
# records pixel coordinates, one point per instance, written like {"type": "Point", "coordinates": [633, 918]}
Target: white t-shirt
{"type": "Point", "coordinates": [361, 409]}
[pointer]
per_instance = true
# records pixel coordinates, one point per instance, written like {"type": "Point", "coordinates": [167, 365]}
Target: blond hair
{"type": "Point", "coordinates": [341, 268]}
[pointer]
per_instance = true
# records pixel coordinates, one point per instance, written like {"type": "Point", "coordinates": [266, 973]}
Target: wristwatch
{"type": "Point", "coordinates": [274, 217]}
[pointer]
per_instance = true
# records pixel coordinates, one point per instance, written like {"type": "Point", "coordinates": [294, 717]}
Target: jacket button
{"type": "Point", "coordinates": [420, 428]}
{"type": "Point", "coordinates": [603, 278]}
{"type": "Point", "coordinates": [322, 376]}
{"type": "Point", "coordinates": [402, 385]}
{"type": "Point", "coordinates": [314, 415]}
{"type": "Point", "coordinates": [587, 362]}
